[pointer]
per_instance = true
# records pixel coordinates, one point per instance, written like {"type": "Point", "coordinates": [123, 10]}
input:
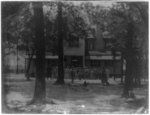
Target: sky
{"type": "Point", "coordinates": [102, 3]}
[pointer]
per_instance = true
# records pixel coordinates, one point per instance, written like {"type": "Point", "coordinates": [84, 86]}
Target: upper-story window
{"type": "Point", "coordinates": [108, 45]}
{"type": "Point", "coordinates": [108, 40]}
{"type": "Point", "coordinates": [73, 41]}
{"type": "Point", "coordinates": [90, 44]}
{"type": "Point", "coordinates": [91, 39]}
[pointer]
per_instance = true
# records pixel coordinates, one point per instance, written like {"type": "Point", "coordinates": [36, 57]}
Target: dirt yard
{"type": "Point", "coordinates": [71, 98]}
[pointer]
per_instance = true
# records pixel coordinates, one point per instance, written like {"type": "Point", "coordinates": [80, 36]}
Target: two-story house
{"type": "Point", "coordinates": [99, 51]}
{"type": "Point", "coordinates": [94, 51]}
{"type": "Point", "coordinates": [74, 51]}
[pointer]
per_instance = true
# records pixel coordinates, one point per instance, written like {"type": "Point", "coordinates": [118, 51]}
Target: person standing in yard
{"type": "Point", "coordinates": [55, 72]}
{"type": "Point", "coordinates": [80, 74]}
{"type": "Point", "coordinates": [99, 72]}
{"type": "Point", "coordinates": [49, 71]}
{"type": "Point", "coordinates": [107, 73]}
{"type": "Point", "coordinates": [104, 77]}
{"type": "Point", "coordinates": [72, 73]}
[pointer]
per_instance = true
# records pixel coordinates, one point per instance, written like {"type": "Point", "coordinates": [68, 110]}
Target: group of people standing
{"type": "Point", "coordinates": [79, 73]}
{"type": "Point", "coordinates": [82, 75]}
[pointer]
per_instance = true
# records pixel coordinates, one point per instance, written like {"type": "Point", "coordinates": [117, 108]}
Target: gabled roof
{"type": "Point", "coordinates": [90, 33]}
{"type": "Point", "coordinates": [106, 35]}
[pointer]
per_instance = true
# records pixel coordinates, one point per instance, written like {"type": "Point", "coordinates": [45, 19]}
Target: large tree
{"type": "Point", "coordinates": [20, 24]}
{"type": "Point", "coordinates": [127, 22]}
{"type": "Point", "coordinates": [129, 26]}
{"type": "Point", "coordinates": [67, 21]}
{"type": "Point", "coordinates": [40, 88]}
{"type": "Point", "coordinates": [17, 29]}
{"type": "Point", "coordinates": [60, 78]}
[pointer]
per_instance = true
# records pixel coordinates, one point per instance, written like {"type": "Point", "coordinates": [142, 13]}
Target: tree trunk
{"type": "Point", "coordinates": [128, 85]}
{"type": "Point", "coordinates": [122, 71]}
{"type": "Point", "coordinates": [40, 88]}
{"type": "Point", "coordinates": [60, 78]}
{"type": "Point", "coordinates": [29, 64]}
{"type": "Point", "coordinates": [17, 57]}
{"type": "Point", "coordinates": [114, 61]}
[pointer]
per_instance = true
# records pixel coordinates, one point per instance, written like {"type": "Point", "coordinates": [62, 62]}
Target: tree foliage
{"type": "Point", "coordinates": [18, 24]}
{"type": "Point", "coordinates": [122, 14]}
{"type": "Point", "coordinates": [131, 33]}
{"type": "Point", "coordinates": [127, 22]}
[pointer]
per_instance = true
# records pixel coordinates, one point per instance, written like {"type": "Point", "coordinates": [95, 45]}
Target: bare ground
{"type": "Point", "coordinates": [71, 98]}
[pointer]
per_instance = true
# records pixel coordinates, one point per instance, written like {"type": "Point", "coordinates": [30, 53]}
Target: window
{"type": "Point", "coordinates": [74, 41]}
{"type": "Point", "coordinates": [108, 45]}
{"type": "Point", "coordinates": [90, 45]}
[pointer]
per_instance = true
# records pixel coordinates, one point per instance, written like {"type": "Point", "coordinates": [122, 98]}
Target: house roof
{"type": "Point", "coordinates": [90, 36]}
{"type": "Point", "coordinates": [106, 35]}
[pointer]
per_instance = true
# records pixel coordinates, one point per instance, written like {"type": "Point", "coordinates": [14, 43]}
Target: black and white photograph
{"type": "Point", "coordinates": [75, 57]}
